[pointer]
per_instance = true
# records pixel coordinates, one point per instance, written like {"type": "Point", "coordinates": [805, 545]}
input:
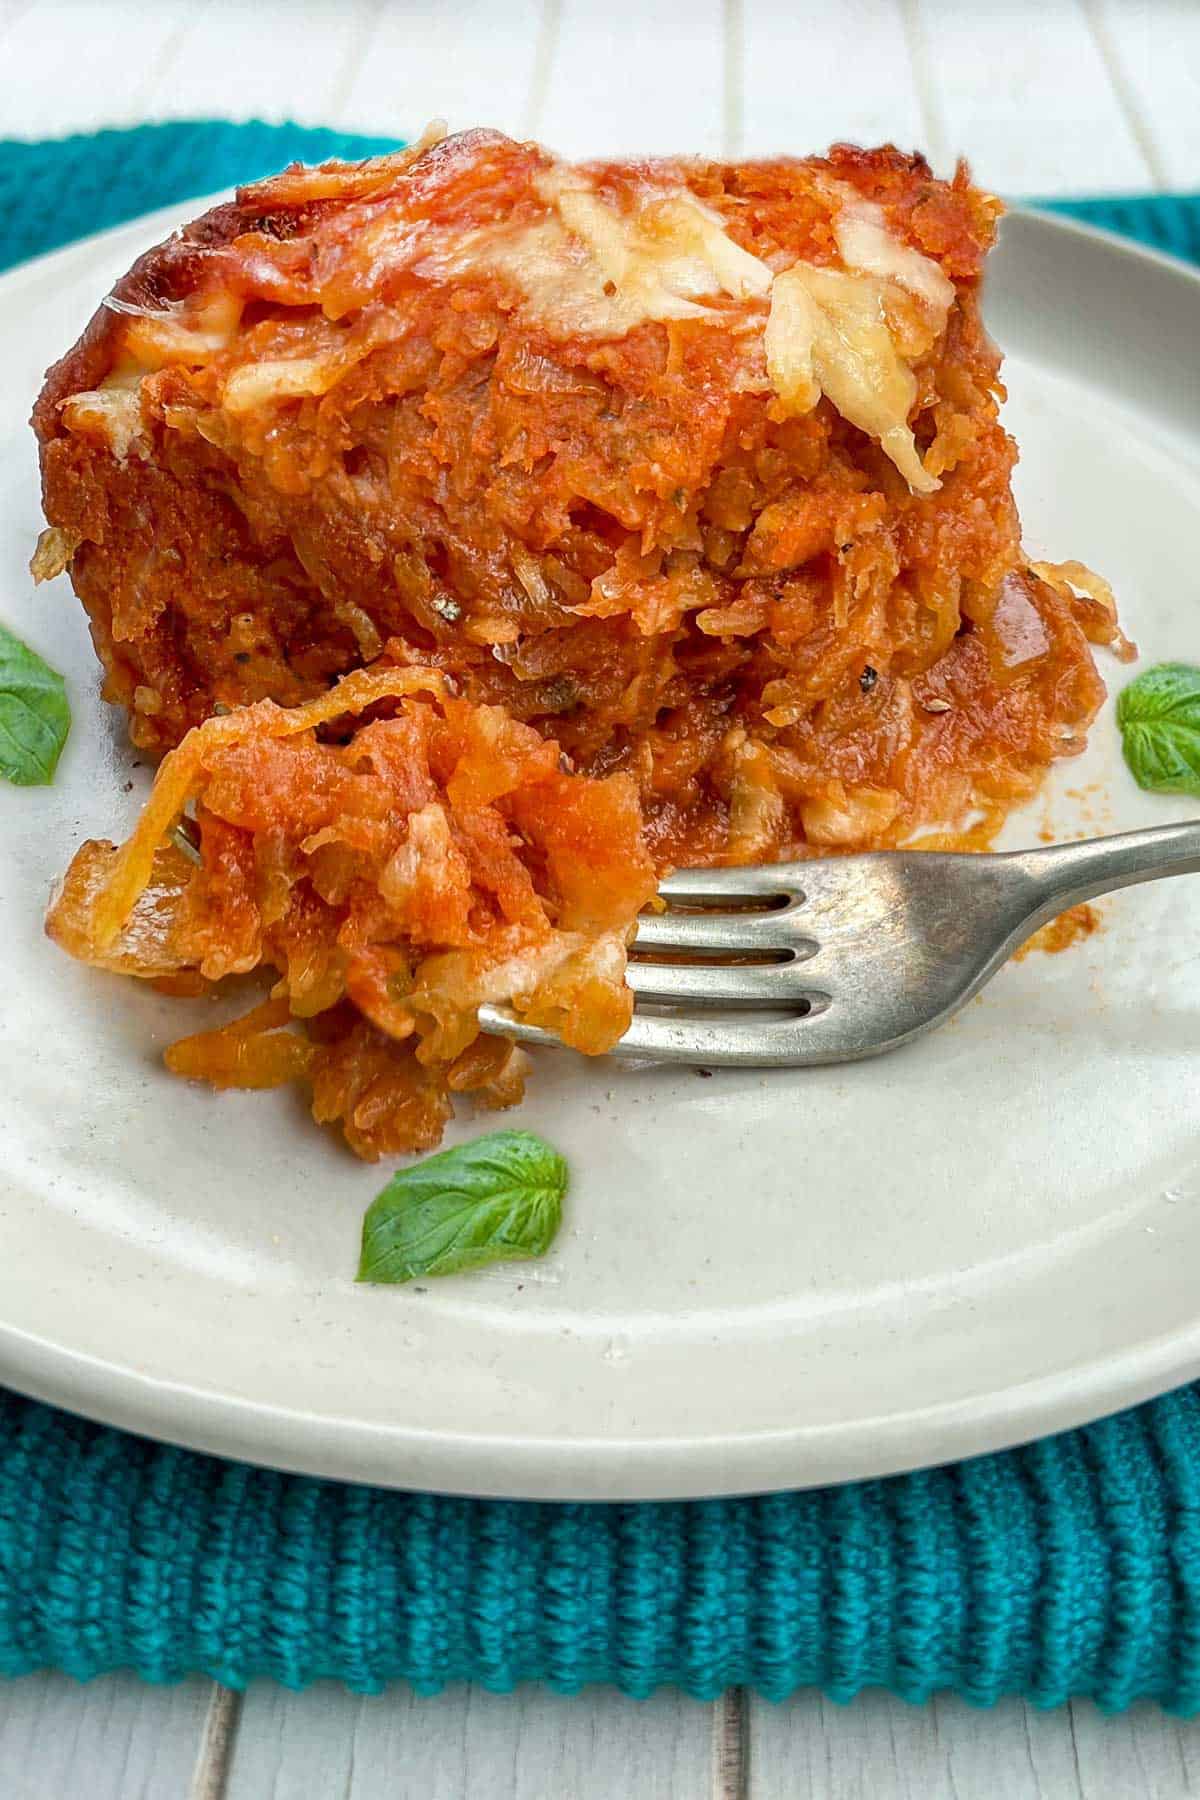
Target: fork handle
{"type": "Point", "coordinates": [1065, 874]}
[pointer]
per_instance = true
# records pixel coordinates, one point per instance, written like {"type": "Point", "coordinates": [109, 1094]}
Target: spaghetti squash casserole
{"type": "Point", "coordinates": [482, 535]}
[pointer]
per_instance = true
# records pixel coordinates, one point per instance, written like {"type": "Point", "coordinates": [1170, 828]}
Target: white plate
{"type": "Point", "coordinates": [763, 1280]}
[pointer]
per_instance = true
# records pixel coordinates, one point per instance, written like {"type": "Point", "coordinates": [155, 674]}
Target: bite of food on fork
{"type": "Point", "coordinates": [847, 957]}
{"type": "Point", "coordinates": [522, 532]}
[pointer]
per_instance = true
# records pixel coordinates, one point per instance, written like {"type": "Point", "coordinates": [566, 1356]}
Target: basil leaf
{"type": "Point", "coordinates": [1159, 720]}
{"type": "Point", "coordinates": [497, 1199]}
{"type": "Point", "coordinates": [34, 715]}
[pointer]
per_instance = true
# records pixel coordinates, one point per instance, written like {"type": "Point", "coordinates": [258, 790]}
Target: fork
{"type": "Point", "coordinates": [845, 957]}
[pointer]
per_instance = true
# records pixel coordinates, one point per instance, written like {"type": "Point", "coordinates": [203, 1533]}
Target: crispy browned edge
{"type": "Point", "coordinates": [167, 271]}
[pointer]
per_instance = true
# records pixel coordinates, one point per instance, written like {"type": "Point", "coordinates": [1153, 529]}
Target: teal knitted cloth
{"type": "Point", "coordinates": [1069, 1567]}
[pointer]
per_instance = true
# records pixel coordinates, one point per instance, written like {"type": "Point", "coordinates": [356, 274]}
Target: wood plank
{"type": "Point", "coordinates": [730, 1770]}
{"type": "Point", "coordinates": [604, 97]}
{"type": "Point", "coordinates": [1153, 51]}
{"type": "Point", "coordinates": [813, 75]}
{"type": "Point", "coordinates": [70, 66]}
{"type": "Point", "coordinates": [10, 11]}
{"type": "Point", "coordinates": [236, 61]}
{"type": "Point", "coordinates": [1141, 1753]}
{"type": "Point", "coordinates": [466, 61]}
{"type": "Point", "coordinates": [214, 1753]}
{"type": "Point", "coordinates": [882, 1748]}
{"type": "Point", "coordinates": [115, 1738]}
{"type": "Point", "coordinates": [466, 1744]}
{"type": "Point", "coordinates": [1023, 91]}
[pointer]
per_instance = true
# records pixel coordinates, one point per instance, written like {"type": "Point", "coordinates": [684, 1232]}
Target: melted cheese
{"type": "Point", "coordinates": [671, 248]}
{"type": "Point", "coordinates": [588, 269]}
{"type": "Point", "coordinates": [112, 413]}
{"type": "Point", "coordinates": [866, 246]}
{"type": "Point", "coordinates": [257, 384]}
{"type": "Point", "coordinates": [157, 337]}
{"type": "Point", "coordinates": [828, 333]}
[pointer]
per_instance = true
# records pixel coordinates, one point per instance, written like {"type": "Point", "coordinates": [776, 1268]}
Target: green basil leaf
{"type": "Point", "coordinates": [1159, 720]}
{"type": "Point", "coordinates": [34, 715]}
{"type": "Point", "coordinates": [498, 1199]}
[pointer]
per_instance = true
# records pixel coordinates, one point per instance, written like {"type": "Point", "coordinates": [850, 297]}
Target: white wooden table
{"type": "Point", "coordinates": [1045, 96]}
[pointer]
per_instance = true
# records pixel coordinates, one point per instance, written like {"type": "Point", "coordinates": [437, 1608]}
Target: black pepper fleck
{"type": "Point", "coordinates": [868, 678]}
{"type": "Point", "coordinates": [241, 656]}
{"type": "Point", "coordinates": [560, 694]}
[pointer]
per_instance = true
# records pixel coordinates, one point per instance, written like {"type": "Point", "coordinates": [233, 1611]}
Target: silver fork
{"type": "Point", "coordinates": [849, 956]}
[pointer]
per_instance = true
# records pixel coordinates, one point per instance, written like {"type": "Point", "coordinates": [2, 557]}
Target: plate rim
{"type": "Point", "coordinates": [550, 1469]}
{"type": "Point", "coordinates": [608, 1468]}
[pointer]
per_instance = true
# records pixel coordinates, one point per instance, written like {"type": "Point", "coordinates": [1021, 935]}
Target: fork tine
{"type": "Point", "coordinates": [728, 985]}
{"type": "Point", "coordinates": [694, 886]}
{"type": "Point", "coordinates": [716, 931]}
{"type": "Point", "coordinates": [821, 1037]}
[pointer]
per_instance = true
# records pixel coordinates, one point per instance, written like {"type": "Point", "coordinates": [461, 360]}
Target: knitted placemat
{"type": "Point", "coordinates": [1069, 1567]}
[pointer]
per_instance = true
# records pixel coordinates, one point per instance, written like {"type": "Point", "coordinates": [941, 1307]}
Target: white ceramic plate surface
{"type": "Point", "coordinates": [763, 1279]}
